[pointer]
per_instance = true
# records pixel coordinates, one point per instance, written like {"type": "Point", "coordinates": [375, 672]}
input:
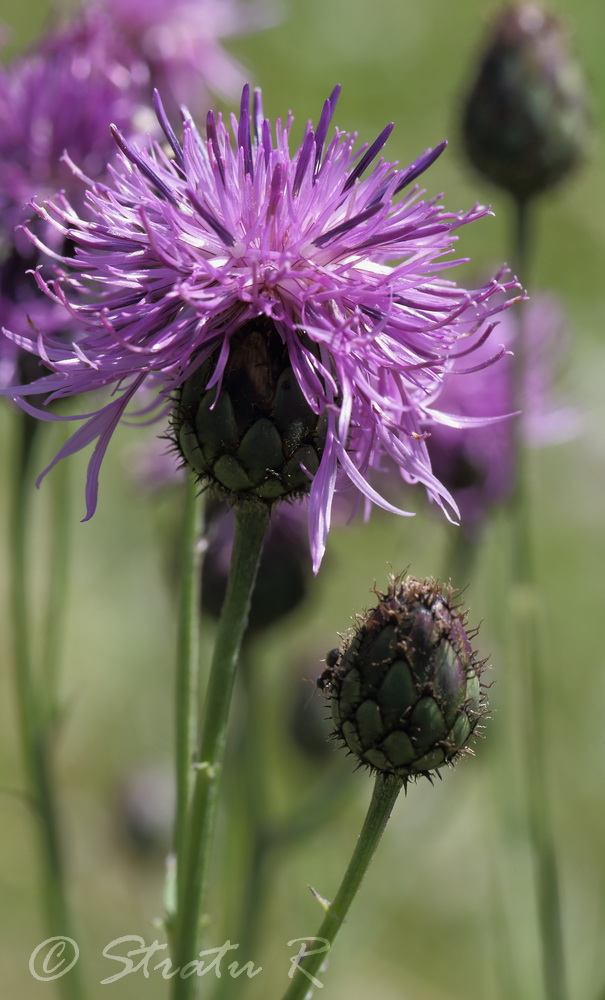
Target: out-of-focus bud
{"type": "Point", "coordinates": [405, 688]}
{"type": "Point", "coordinates": [145, 809]}
{"type": "Point", "coordinates": [525, 123]}
{"type": "Point", "coordinates": [284, 570]}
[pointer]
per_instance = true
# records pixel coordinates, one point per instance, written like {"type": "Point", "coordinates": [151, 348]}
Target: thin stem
{"type": "Point", "coordinates": [56, 598]}
{"type": "Point", "coordinates": [251, 523]}
{"type": "Point", "coordinates": [187, 659]}
{"type": "Point", "coordinates": [252, 799]}
{"type": "Point", "coordinates": [36, 718]}
{"type": "Point", "coordinates": [525, 615]}
{"type": "Point", "coordinates": [304, 971]}
{"type": "Point", "coordinates": [268, 838]}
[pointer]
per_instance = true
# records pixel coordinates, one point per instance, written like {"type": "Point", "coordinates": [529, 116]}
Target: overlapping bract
{"type": "Point", "coordinates": [187, 243]}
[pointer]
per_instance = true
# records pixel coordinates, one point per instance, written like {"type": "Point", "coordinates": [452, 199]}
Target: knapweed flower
{"type": "Point", "coordinates": [229, 266]}
{"type": "Point", "coordinates": [180, 43]}
{"type": "Point", "coordinates": [59, 97]}
{"type": "Point", "coordinates": [479, 466]}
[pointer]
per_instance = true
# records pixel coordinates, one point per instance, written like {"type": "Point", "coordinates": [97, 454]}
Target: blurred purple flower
{"type": "Point", "coordinates": [177, 253]}
{"type": "Point", "coordinates": [478, 467]}
{"type": "Point", "coordinates": [180, 42]}
{"type": "Point", "coordinates": [59, 97]}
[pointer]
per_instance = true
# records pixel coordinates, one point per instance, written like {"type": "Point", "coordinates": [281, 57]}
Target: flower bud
{"type": "Point", "coordinates": [405, 688]}
{"type": "Point", "coordinates": [259, 438]}
{"type": "Point", "coordinates": [145, 809]}
{"type": "Point", "coordinates": [525, 122]}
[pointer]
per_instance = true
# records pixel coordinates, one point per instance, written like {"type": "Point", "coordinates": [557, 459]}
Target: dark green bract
{"type": "Point", "coordinates": [405, 690]}
{"type": "Point", "coordinates": [259, 439]}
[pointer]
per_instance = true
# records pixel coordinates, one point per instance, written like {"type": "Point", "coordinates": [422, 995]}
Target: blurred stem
{"type": "Point", "coordinates": [324, 799]}
{"type": "Point", "coordinates": [56, 599]}
{"type": "Point", "coordinates": [322, 802]}
{"type": "Point", "coordinates": [37, 704]}
{"type": "Point", "coordinates": [525, 614]}
{"type": "Point", "coordinates": [187, 660]}
{"type": "Point", "coordinates": [304, 970]}
{"type": "Point", "coordinates": [461, 558]}
{"type": "Point", "coordinates": [251, 522]}
{"type": "Point", "coordinates": [252, 791]}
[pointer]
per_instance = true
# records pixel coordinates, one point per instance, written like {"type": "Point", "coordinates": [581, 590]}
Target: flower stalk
{"type": "Point", "coordinates": [525, 611]}
{"type": "Point", "coordinates": [187, 658]}
{"type": "Point", "coordinates": [37, 707]}
{"type": "Point", "coordinates": [384, 795]}
{"type": "Point", "coordinates": [193, 863]}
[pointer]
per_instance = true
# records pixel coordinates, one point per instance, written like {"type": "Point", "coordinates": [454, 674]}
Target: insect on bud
{"type": "Point", "coordinates": [405, 687]}
{"type": "Point", "coordinates": [259, 439]}
{"type": "Point", "coordinates": [525, 121]}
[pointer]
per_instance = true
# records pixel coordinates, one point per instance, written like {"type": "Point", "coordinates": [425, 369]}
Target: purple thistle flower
{"type": "Point", "coordinates": [59, 97]}
{"type": "Point", "coordinates": [178, 253]}
{"type": "Point", "coordinates": [180, 42]}
{"type": "Point", "coordinates": [479, 466]}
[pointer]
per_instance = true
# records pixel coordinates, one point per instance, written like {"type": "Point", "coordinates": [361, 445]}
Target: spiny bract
{"type": "Point", "coordinates": [405, 687]}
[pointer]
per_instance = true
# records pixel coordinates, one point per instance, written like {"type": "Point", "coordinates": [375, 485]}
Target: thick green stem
{"type": "Point", "coordinates": [37, 708]}
{"type": "Point", "coordinates": [251, 523]}
{"type": "Point", "coordinates": [304, 971]}
{"type": "Point", "coordinates": [529, 658]}
{"type": "Point", "coordinates": [187, 662]}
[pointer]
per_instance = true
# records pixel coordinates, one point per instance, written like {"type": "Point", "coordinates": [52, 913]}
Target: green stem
{"type": "Point", "coordinates": [187, 660]}
{"type": "Point", "coordinates": [252, 797]}
{"type": "Point", "coordinates": [56, 598]}
{"type": "Point", "coordinates": [36, 708]}
{"type": "Point", "coordinates": [316, 808]}
{"type": "Point", "coordinates": [251, 523]}
{"type": "Point", "coordinates": [526, 628]}
{"type": "Point", "coordinates": [304, 971]}
{"type": "Point", "coordinates": [272, 837]}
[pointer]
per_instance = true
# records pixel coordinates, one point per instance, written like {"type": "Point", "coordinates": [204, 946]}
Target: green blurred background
{"type": "Point", "coordinates": [449, 899]}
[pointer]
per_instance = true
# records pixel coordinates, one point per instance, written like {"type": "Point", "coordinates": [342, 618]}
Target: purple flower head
{"type": "Point", "coordinates": [478, 466]}
{"type": "Point", "coordinates": [179, 252]}
{"type": "Point", "coordinates": [58, 98]}
{"type": "Point", "coordinates": [180, 42]}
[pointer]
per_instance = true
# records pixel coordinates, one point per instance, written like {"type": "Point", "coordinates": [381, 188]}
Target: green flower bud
{"type": "Point", "coordinates": [405, 687]}
{"type": "Point", "coordinates": [257, 439]}
{"type": "Point", "coordinates": [525, 122]}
